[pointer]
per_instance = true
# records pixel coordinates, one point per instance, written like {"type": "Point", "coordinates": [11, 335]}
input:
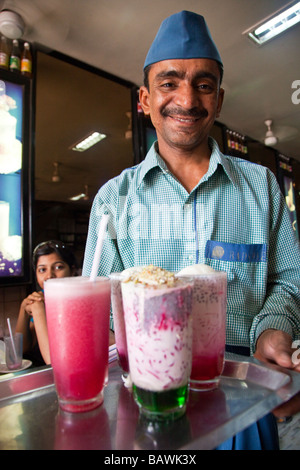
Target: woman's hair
{"type": "Point", "coordinates": [54, 246]}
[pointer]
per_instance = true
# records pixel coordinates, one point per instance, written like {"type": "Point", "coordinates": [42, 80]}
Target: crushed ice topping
{"type": "Point", "coordinates": [152, 276]}
{"type": "Point", "coordinates": [197, 269]}
{"type": "Point", "coordinates": [127, 273]}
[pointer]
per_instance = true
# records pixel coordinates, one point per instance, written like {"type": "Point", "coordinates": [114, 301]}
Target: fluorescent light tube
{"type": "Point", "coordinates": [78, 197]}
{"type": "Point", "coordinates": [274, 25]}
{"type": "Point", "coordinates": [88, 142]}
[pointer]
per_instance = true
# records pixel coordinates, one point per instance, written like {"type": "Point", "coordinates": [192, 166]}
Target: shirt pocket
{"type": "Point", "coordinates": [236, 252]}
{"type": "Point", "coordinates": [247, 270]}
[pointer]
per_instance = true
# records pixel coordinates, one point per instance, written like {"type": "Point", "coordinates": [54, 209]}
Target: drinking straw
{"type": "Point", "coordinates": [97, 255]}
{"type": "Point", "coordinates": [12, 339]}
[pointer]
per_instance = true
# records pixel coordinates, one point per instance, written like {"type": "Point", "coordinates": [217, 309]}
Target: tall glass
{"type": "Point", "coordinates": [209, 329]}
{"type": "Point", "coordinates": [14, 351]}
{"type": "Point", "coordinates": [119, 322]}
{"type": "Point", "coordinates": [78, 311]}
{"type": "Point", "coordinates": [159, 339]}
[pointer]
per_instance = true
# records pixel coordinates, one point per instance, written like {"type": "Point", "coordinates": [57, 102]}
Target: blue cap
{"type": "Point", "coordinates": [184, 35]}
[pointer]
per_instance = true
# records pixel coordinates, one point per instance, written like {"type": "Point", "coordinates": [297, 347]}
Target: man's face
{"type": "Point", "coordinates": [183, 100]}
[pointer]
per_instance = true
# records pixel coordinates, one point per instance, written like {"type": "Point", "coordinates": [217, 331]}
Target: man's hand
{"type": "Point", "coordinates": [275, 347]}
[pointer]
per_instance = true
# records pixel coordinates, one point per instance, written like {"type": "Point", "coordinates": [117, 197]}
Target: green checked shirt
{"type": "Point", "coordinates": [234, 220]}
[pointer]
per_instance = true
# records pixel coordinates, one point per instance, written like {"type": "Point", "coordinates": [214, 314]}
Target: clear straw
{"type": "Point", "coordinates": [12, 339]}
{"type": "Point", "coordinates": [97, 255]}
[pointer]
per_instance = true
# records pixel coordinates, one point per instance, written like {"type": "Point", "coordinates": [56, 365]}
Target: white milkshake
{"type": "Point", "coordinates": [158, 319]}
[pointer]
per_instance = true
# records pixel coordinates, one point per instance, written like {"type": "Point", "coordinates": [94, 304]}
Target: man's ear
{"type": "Point", "coordinates": [144, 98]}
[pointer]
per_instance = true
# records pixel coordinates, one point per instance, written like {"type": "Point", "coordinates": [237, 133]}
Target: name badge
{"type": "Point", "coordinates": [253, 253]}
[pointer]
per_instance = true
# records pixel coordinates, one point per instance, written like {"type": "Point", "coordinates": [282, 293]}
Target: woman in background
{"type": "Point", "coordinates": [51, 259]}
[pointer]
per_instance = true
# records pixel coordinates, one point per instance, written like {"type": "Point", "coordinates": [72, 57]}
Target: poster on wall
{"type": "Point", "coordinates": [14, 164]}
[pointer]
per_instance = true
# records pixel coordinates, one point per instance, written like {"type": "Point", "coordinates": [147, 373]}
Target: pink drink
{"type": "Point", "coordinates": [209, 328]}
{"type": "Point", "coordinates": [78, 312]}
{"type": "Point", "coordinates": [159, 339]}
{"type": "Point", "coordinates": [119, 323]}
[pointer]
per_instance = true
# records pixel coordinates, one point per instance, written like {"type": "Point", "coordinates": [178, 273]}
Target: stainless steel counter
{"type": "Point", "coordinates": [30, 417]}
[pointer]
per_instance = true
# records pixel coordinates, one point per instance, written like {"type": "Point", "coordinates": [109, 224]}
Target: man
{"type": "Point", "coordinates": [187, 203]}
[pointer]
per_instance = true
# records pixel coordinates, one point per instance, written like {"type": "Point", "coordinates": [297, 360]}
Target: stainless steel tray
{"type": "Point", "coordinates": [272, 379]}
{"type": "Point", "coordinates": [30, 417]}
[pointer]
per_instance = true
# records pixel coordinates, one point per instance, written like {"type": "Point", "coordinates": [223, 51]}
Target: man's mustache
{"type": "Point", "coordinates": [195, 113]}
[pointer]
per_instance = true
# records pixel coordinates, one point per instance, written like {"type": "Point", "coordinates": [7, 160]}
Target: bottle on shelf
{"type": "Point", "coordinates": [4, 53]}
{"type": "Point", "coordinates": [245, 148]}
{"type": "Point", "coordinates": [241, 152]}
{"type": "Point", "coordinates": [233, 151]}
{"type": "Point", "coordinates": [228, 139]}
{"type": "Point", "coordinates": [236, 144]}
{"type": "Point", "coordinates": [26, 61]}
{"type": "Point", "coordinates": [15, 57]}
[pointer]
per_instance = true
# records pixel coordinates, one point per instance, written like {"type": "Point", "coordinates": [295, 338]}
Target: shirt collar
{"type": "Point", "coordinates": [153, 160]}
{"type": "Point", "coordinates": [218, 158]}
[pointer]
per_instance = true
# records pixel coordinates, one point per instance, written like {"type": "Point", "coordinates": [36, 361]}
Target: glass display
{"type": "Point", "coordinates": [14, 164]}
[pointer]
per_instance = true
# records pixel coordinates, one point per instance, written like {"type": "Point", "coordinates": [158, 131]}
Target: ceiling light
{"type": "Point", "coordinates": [275, 24]}
{"type": "Point", "coordinates": [88, 142]}
{"type": "Point", "coordinates": [84, 196]}
{"type": "Point", "coordinates": [77, 197]}
{"type": "Point", "coordinates": [11, 24]}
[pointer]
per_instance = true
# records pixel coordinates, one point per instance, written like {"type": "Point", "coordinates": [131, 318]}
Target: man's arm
{"type": "Point", "coordinates": [281, 308]}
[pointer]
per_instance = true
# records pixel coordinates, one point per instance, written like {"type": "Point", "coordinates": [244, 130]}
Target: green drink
{"type": "Point", "coordinates": [162, 405]}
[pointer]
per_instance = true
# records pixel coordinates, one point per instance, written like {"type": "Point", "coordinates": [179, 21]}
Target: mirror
{"type": "Point", "coordinates": [71, 102]}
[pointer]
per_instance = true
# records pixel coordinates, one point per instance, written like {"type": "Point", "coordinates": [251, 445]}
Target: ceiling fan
{"type": "Point", "coordinates": [56, 176]}
{"type": "Point", "coordinates": [281, 133]}
{"type": "Point", "coordinates": [270, 138]}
